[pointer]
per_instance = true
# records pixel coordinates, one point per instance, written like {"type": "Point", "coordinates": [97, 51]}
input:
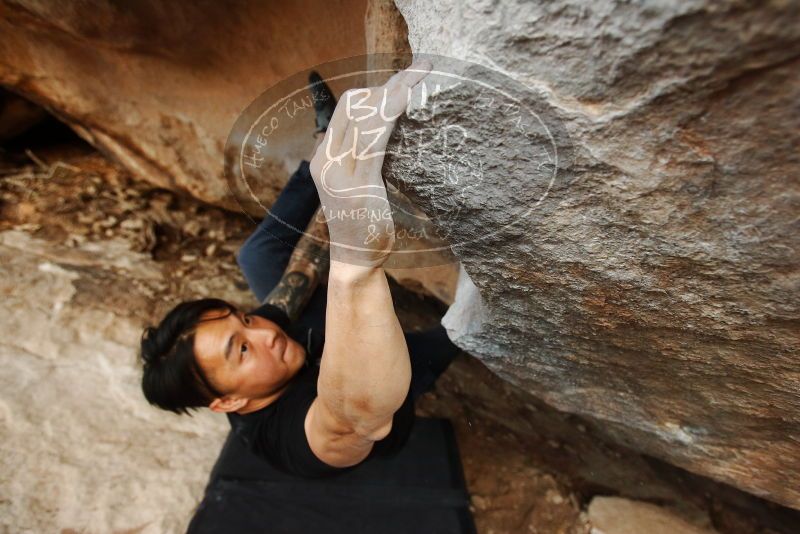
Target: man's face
{"type": "Point", "coordinates": [246, 356]}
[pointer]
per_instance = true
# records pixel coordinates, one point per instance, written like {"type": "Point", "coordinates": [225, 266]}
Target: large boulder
{"type": "Point", "coordinates": [654, 288]}
{"type": "Point", "coordinates": [615, 515]}
{"type": "Point", "coordinates": [74, 424]}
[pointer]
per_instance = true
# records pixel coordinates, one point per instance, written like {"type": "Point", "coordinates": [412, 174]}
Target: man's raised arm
{"type": "Point", "coordinates": [365, 370]}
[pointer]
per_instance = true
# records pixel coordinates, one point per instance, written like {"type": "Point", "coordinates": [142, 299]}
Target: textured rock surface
{"type": "Point", "coordinates": [528, 467]}
{"type": "Point", "coordinates": [74, 426]}
{"type": "Point", "coordinates": [655, 289]}
{"type": "Point", "coordinates": [613, 515]}
{"type": "Point", "coordinates": [17, 115]}
{"type": "Point", "coordinates": [158, 87]}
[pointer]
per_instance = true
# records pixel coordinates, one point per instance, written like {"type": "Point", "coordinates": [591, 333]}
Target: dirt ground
{"type": "Point", "coordinates": [528, 467]}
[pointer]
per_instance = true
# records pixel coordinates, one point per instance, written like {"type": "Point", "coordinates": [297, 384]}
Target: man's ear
{"type": "Point", "coordinates": [227, 404]}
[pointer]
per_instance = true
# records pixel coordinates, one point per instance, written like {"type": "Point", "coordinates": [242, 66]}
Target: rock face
{"type": "Point", "coordinates": [17, 115]}
{"type": "Point", "coordinates": [655, 287]}
{"type": "Point", "coordinates": [158, 87]}
{"type": "Point", "coordinates": [73, 422]}
{"type": "Point", "coordinates": [613, 515]}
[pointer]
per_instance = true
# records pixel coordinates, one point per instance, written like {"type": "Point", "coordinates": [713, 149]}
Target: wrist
{"type": "Point", "coordinates": [341, 273]}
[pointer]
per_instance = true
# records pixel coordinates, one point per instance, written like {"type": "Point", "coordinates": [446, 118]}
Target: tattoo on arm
{"type": "Point", "coordinates": [307, 267]}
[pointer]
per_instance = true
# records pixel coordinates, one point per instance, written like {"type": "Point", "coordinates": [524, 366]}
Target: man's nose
{"type": "Point", "coordinates": [270, 337]}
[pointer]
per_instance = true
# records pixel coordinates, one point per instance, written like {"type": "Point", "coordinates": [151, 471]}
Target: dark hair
{"type": "Point", "coordinates": [172, 378]}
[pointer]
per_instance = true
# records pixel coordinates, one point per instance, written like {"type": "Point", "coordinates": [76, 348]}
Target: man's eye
{"type": "Point", "coordinates": [244, 347]}
{"type": "Point", "coordinates": [247, 320]}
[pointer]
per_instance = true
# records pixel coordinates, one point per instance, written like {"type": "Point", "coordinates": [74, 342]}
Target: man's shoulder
{"type": "Point", "coordinates": [276, 433]}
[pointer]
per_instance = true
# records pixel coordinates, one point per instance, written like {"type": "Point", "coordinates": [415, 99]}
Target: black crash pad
{"type": "Point", "coordinates": [421, 490]}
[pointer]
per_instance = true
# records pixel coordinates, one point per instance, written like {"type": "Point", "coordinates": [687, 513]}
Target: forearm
{"type": "Point", "coordinates": [365, 372]}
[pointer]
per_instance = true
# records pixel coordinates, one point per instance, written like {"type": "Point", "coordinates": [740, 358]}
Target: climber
{"type": "Point", "coordinates": [311, 394]}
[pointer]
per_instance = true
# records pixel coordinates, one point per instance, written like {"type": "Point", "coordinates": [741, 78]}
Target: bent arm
{"type": "Point", "coordinates": [307, 267]}
{"type": "Point", "coordinates": [365, 371]}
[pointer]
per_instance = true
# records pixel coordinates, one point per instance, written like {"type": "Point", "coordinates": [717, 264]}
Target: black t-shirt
{"type": "Point", "coordinates": [276, 432]}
